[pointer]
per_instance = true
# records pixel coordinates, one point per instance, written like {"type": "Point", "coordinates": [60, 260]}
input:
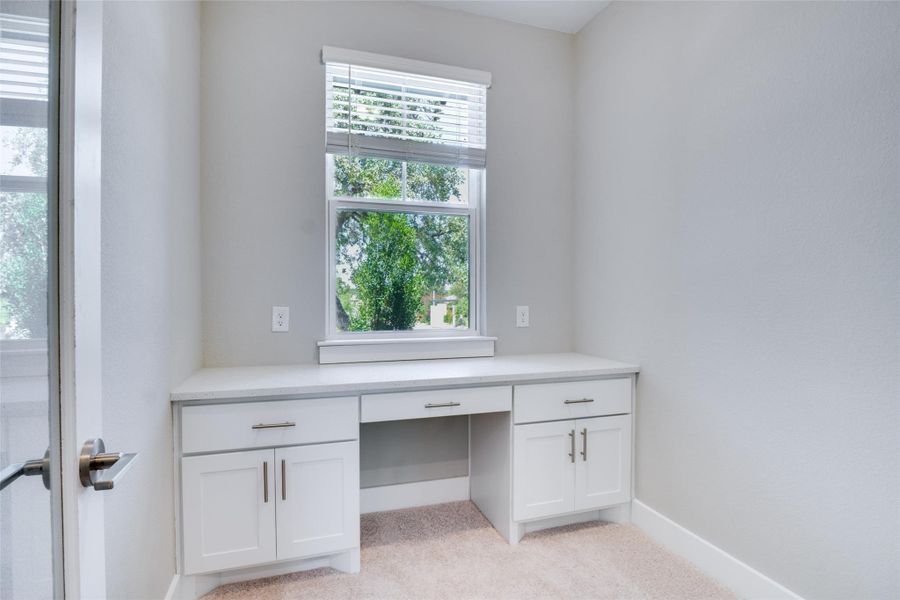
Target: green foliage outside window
{"type": "Point", "coordinates": [392, 265]}
{"type": "Point", "coordinates": [379, 178]}
{"type": "Point", "coordinates": [388, 279]}
{"type": "Point", "coordinates": [23, 242]}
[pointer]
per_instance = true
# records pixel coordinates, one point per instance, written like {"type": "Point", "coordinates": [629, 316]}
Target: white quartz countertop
{"type": "Point", "coordinates": [296, 380]}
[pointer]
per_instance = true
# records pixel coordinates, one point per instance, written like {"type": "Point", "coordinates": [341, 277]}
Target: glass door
{"type": "Point", "coordinates": [30, 504]}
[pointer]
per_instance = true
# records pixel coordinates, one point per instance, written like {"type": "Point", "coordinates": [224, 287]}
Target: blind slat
{"type": "Point", "coordinates": [408, 89]}
{"type": "Point", "coordinates": [393, 126]}
{"type": "Point", "coordinates": [382, 113]}
{"type": "Point", "coordinates": [474, 118]}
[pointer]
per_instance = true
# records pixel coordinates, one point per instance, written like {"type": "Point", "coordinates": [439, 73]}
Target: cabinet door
{"type": "Point", "coordinates": [543, 470]}
{"type": "Point", "coordinates": [603, 463]}
{"type": "Point", "coordinates": [229, 510]}
{"type": "Point", "coordinates": [318, 499]}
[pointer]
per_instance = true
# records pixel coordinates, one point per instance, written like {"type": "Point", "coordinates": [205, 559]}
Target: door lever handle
{"type": "Point", "coordinates": [94, 461]}
{"type": "Point", "coordinates": [37, 466]}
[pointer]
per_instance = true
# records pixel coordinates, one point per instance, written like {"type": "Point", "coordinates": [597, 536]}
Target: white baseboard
{"type": "Point", "coordinates": [614, 514]}
{"type": "Point", "coordinates": [408, 495]}
{"type": "Point", "coordinates": [173, 588]}
{"type": "Point", "coordinates": [743, 579]}
{"type": "Point", "coordinates": [191, 587]}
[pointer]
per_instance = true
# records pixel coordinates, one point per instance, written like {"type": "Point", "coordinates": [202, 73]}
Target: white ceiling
{"type": "Point", "coordinates": [567, 16]}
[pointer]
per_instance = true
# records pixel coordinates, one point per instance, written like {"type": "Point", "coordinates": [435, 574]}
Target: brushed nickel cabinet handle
{"type": "Point", "coordinates": [572, 439]}
{"type": "Point", "coordinates": [265, 481]}
{"type": "Point", "coordinates": [584, 444]}
{"type": "Point", "coordinates": [283, 481]}
{"type": "Point", "coordinates": [273, 425]}
{"type": "Point", "coordinates": [442, 405]}
{"type": "Point", "coordinates": [582, 401]}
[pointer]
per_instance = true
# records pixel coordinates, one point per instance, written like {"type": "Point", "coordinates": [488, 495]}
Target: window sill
{"type": "Point", "coordinates": [380, 350]}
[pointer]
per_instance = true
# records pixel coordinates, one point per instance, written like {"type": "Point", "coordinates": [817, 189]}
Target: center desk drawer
{"type": "Point", "coordinates": [214, 427]}
{"type": "Point", "coordinates": [398, 406]}
{"type": "Point", "coordinates": [572, 400]}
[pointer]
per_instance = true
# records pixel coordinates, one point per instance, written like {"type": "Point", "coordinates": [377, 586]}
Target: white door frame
{"type": "Point", "coordinates": [80, 77]}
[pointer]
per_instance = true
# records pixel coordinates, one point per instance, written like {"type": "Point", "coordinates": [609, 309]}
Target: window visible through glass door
{"type": "Point", "coordinates": [29, 416]}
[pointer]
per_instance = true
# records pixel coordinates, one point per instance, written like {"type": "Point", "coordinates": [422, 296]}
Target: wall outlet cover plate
{"type": "Point", "coordinates": [521, 316]}
{"type": "Point", "coordinates": [281, 318]}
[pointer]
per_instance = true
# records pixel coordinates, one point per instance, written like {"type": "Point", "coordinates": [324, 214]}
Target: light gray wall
{"type": "Point", "coordinates": [738, 235]}
{"type": "Point", "coordinates": [263, 166]}
{"type": "Point", "coordinates": [150, 272]}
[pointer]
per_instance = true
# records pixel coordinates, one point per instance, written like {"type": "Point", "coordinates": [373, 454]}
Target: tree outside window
{"type": "Point", "coordinates": [23, 236]}
{"type": "Point", "coordinates": [400, 270]}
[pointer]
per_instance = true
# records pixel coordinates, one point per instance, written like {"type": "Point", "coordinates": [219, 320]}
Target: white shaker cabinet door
{"type": "Point", "coordinates": [543, 470]}
{"type": "Point", "coordinates": [229, 510]}
{"type": "Point", "coordinates": [318, 499]}
{"type": "Point", "coordinates": [603, 463]}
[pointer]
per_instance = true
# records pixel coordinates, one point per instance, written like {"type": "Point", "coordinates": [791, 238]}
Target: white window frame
{"type": "Point", "coordinates": [32, 113]}
{"type": "Point", "coordinates": [345, 346]}
{"type": "Point", "coordinates": [396, 345]}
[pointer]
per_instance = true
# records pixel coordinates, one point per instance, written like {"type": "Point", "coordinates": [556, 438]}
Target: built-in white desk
{"type": "Point", "coordinates": [267, 458]}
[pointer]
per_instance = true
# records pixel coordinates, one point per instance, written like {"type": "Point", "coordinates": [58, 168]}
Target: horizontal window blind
{"type": "Point", "coordinates": [24, 44]}
{"type": "Point", "coordinates": [396, 115]}
{"type": "Point", "coordinates": [24, 81]}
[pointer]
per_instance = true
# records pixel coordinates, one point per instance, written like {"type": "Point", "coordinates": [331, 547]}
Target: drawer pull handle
{"type": "Point", "coordinates": [582, 401]}
{"type": "Point", "coordinates": [572, 438]}
{"type": "Point", "coordinates": [265, 481]}
{"type": "Point", "coordinates": [284, 481]}
{"type": "Point", "coordinates": [273, 425]}
{"type": "Point", "coordinates": [442, 405]}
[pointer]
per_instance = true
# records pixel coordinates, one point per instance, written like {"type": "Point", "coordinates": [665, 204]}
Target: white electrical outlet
{"type": "Point", "coordinates": [281, 318]}
{"type": "Point", "coordinates": [521, 316]}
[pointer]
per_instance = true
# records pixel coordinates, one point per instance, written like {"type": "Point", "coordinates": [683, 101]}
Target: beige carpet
{"type": "Point", "coordinates": [451, 551]}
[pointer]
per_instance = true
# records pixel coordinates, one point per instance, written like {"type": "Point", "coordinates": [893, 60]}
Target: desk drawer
{"type": "Point", "coordinates": [215, 427]}
{"type": "Point", "coordinates": [435, 403]}
{"type": "Point", "coordinates": [572, 400]}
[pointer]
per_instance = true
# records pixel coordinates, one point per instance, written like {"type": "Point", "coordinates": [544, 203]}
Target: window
{"type": "Point", "coordinates": [405, 156]}
{"type": "Point", "coordinates": [23, 175]}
